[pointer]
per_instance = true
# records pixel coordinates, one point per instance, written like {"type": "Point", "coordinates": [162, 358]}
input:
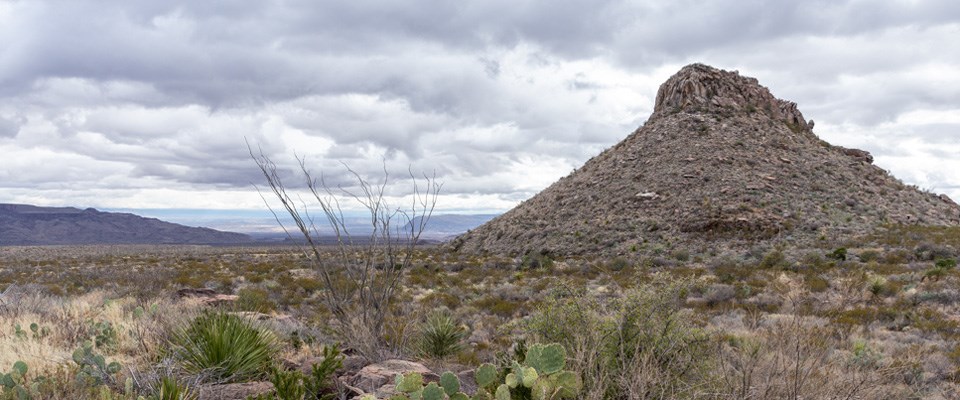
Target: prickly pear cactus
{"type": "Point", "coordinates": [540, 377]}
{"type": "Point", "coordinates": [410, 387]}
{"type": "Point", "coordinates": [409, 383]}
{"type": "Point", "coordinates": [548, 359]}
{"type": "Point", "coordinates": [94, 368]}
{"type": "Point", "coordinates": [15, 384]}
{"type": "Point", "coordinates": [433, 392]}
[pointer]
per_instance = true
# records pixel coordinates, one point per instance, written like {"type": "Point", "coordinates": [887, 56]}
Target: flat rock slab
{"type": "Point", "coordinates": [374, 376]}
{"type": "Point", "coordinates": [235, 391]}
{"type": "Point", "coordinates": [206, 296]}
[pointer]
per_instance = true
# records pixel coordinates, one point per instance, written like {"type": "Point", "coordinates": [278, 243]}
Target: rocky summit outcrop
{"type": "Point", "coordinates": [720, 162]}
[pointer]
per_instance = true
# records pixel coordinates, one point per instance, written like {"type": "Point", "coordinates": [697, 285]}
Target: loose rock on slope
{"type": "Point", "coordinates": [721, 161]}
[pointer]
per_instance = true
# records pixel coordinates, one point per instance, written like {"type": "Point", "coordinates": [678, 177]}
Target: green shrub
{"type": "Point", "coordinates": [287, 384]}
{"type": "Point", "coordinates": [225, 347]}
{"type": "Point", "coordinates": [320, 385]}
{"type": "Point", "coordinates": [840, 254]}
{"type": "Point", "coordinates": [619, 264]}
{"type": "Point", "coordinates": [816, 283]}
{"type": "Point", "coordinates": [869, 255]}
{"type": "Point", "coordinates": [681, 255]}
{"type": "Point", "coordinates": [534, 260]}
{"type": "Point", "coordinates": [293, 385]}
{"type": "Point", "coordinates": [940, 268]}
{"type": "Point", "coordinates": [255, 299]}
{"type": "Point", "coordinates": [440, 335]}
{"type": "Point", "coordinates": [774, 259]}
{"type": "Point", "coordinates": [646, 329]}
{"type": "Point", "coordinates": [946, 263]}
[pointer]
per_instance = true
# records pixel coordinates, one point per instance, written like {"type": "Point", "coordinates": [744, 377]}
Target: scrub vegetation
{"type": "Point", "coordinates": [871, 318]}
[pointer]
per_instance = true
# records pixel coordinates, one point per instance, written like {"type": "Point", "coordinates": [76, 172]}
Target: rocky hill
{"type": "Point", "coordinates": [721, 161]}
{"type": "Point", "coordinates": [30, 225]}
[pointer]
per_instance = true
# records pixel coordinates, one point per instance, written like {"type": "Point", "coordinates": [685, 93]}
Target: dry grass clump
{"type": "Point", "coordinates": [798, 357]}
{"type": "Point", "coordinates": [120, 327]}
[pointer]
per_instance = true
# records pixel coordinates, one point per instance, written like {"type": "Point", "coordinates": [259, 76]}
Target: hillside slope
{"type": "Point", "coordinates": [722, 162]}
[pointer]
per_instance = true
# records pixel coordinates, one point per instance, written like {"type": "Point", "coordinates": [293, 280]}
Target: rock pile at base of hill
{"type": "Point", "coordinates": [721, 162]}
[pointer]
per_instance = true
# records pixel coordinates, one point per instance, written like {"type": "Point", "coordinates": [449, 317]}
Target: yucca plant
{"type": "Point", "coordinates": [224, 347]}
{"type": "Point", "coordinates": [440, 335]}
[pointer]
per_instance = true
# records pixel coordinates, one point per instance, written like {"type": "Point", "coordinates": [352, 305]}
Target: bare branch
{"type": "Point", "coordinates": [359, 278]}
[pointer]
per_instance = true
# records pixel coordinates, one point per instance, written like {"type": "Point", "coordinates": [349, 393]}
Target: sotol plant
{"type": "Point", "coordinates": [540, 377]}
{"type": "Point", "coordinates": [441, 336]}
{"type": "Point", "coordinates": [225, 346]}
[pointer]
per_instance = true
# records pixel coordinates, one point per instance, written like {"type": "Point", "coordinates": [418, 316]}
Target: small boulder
{"type": "Point", "coordinates": [648, 195]}
{"type": "Point", "coordinates": [857, 154]}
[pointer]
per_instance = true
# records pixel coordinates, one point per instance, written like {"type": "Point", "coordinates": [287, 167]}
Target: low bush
{"type": "Point", "coordinates": [774, 259]}
{"type": "Point", "coordinates": [254, 299]}
{"type": "Point", "coordinates": [642, 342]}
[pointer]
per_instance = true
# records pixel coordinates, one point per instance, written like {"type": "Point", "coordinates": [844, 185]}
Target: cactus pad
{"type": "Point", "coordinates": [542, 390]}
{"type": "Point", "coordinates": [553, 358]}
{"type": "Point", "coordinates": [450, 383]}
{"type": "Point", "coordinates": [503, 392]}
{"type": "Point", "coordinates": [512, 381]}
{"type": "Point", "coordinates": [432, 392]}
{"type": "Point", "coordinates": [20, 367]}
{"type": "Point", "coordinates": [409, 383]}
{"type": "Point", "coordinates": [568, 384]}
{"type": "Point", "coordinates": [530, 377]}
{"type": "Point", "coordinates": [486, 375]}
{"type": "Point", "coordinates": [481, 395]}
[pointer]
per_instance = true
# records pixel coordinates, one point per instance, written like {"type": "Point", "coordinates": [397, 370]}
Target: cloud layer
{"type": "Point", "coordinates": [137, 105]}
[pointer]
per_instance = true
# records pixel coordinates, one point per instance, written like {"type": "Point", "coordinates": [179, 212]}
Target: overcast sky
{"type": "Point", "coordinates": [147, 104]}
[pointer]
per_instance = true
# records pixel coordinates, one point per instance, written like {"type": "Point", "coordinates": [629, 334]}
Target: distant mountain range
{"type": "Point", "coordinates": [31, 225]}
{"type": "Point", "coordinates": [22, 224]}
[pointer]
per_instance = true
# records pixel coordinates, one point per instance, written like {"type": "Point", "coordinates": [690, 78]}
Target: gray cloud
{"type": "Point", "coordinates": [499, 97]}
{"type": "Point", "coordinates": [9, 127]}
